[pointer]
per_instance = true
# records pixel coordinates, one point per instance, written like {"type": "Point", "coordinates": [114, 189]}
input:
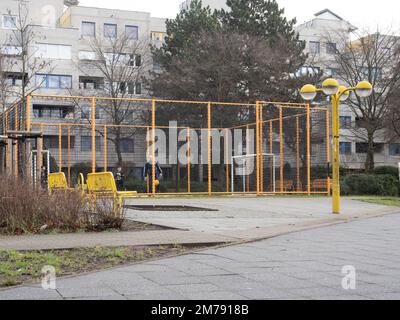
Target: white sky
{"type": "Point", "coordinates": [384, 13]}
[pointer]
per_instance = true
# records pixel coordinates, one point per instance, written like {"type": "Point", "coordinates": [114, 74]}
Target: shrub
{"type": "Point", "coordinates": [363, 184]}
{"type": "Point", "coordinates": [24, 209]}
{"type": "Point", "coordinates": [387, 170]}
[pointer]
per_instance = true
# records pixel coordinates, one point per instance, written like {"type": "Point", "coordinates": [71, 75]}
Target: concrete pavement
{"type": "Point", "coordinates": [303, 265]}
{"type": "Point", "coordinates": [237, 219]}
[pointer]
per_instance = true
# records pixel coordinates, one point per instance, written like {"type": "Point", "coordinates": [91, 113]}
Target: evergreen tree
{"type": "Point", "coordinates": [183, 29]}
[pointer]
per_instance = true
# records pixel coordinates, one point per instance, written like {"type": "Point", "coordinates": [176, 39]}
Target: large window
{"type": "Point", "coordinates": [14, 79]}
{"type": "Point", "coordinates": [345, 147]}
{"type": "Point", "coordinates": [345, 122]}
{"type": "Point", "coordinates": [87, 55]}
{"type": "Point", "coordinates": [110, 30]}
{"type": "Point", "coordinates": [315, 47]}
{"type": "Point", "coordinates": [308, 71]}
{"type": "Point", "coordinates": [53, 51]}
{"type": "Point", "coordinates": [55, 112]}
{"type": "Point", "coordinates": [127, 145]}
{"type": "Point", "coordinates": [132, 32]}
{"type": "Point", "coordinates": [362, 147]}
{"type": "Point", "coordinates": [9, 21]}
{"type": "Point", "coordinates": [53, 142]}
{"type": "Point", "coordinates": [394, 149]}
{"type": "Point", "coordinates": [86, 144]}
{"type": "Point", "coordinates": [53, 81]}
{"type": "Point", "coordinates": [11, 50]}
{"type": "Point", "coordinates": [88, 29]}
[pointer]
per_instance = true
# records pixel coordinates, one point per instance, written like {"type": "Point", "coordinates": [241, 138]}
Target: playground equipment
{"type": "Point", "coordinates": [199, 145]}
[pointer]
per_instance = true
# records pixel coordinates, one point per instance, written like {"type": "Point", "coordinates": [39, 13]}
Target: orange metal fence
{"type": "Point", "coordinates": [267, 148]}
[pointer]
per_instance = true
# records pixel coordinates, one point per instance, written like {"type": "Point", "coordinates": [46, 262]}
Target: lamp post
{"type": "Point", "coordinates": [331, 87]}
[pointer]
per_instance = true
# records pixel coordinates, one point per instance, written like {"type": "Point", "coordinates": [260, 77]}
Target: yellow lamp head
{"type": "Point", "coordinates": [308, 92]}
{"type": "Point", "coordinates": [364, 89]}
{"type": "Point", "coordinates": [344, 93]}
{"type": "Point", "coordinates": [330, 87]}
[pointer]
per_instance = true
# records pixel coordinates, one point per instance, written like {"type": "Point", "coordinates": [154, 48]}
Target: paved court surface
{"type": "Point", "coordinates": [303, 265]}
{"type": "Point", "coordinates": [236, 215]}
{"type": "Point", "coordinates": [236, 220]}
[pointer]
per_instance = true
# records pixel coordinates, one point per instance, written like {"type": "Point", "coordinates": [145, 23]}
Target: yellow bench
{"type": "Point", "coordinates": [102, 185]}
{"type": "Point", "coordinates": [82, 186]}
{"type": "Point", "coordinates": [57, 181]}
{"type": "Point", "coordinates": [320, 184]}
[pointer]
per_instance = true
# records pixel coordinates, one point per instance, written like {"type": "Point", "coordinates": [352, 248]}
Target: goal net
{"type": "Point", "coordinates": [244, 173]}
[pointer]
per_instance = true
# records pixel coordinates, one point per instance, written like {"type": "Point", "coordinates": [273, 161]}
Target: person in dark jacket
{"type": "Point", "coordinates": [119, 179]}
{"type": "Point", "coordinates": [148, 174]}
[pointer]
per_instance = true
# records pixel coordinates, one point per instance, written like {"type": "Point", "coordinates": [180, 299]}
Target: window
{"type": "Point", "coordinates": [88, 29]}
{"type": "Point", "coordinates": [394, 149]}
{"type": "Point", "coordinates": [86, 143]}
{"type": "Point", "coordinates": [11, 50]}
{"type": "Point", "coordinates": [53, 81]}
{"type": "Point", "coordinates": [345, 122]}
{"type": "Point", "coordinates": [51, 111]}
{"type": "Point", "coordinates": [132, 32]}
{"type": "Point", "coordinates": [371, 73]}
{"type": "Point", "coordinates": [133, 89]}
{"type": "Point", "coordinates": [53, 142]}
{"type": "Point", "coordinates": [127, 145]}
{"type": "Point", "coordinates": [14, 79]}
{"type": "Point", "coordinates": [135, 60]}
{"type": "Point", "coordinates": [331, 48]}
{"type": "Point", "coordinates": [110, 30]}
{"type": "Point", "coordinates": [362, 147]}
{"type": "Point", "coordinates": [315, 47]}
{"type": "Point", "coordinates": [332, 72]}
{"type": "Point", "coordinates": [345, 147]}
{"type": "Point", "coordinates": [90, 83]}
{"type": "Point", "coordinates": [53, 51]}
{"type": "Point", "coordinates": [87, 55]}
{"type": "Point", "coordinates": [308, 71]}
{"type": "Point", "coordinates": [9, 21]}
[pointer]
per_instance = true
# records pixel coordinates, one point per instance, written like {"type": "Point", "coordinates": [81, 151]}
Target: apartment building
{"type": "Point", "coordinates": [63, 33]}
{"type": "Point", "coordinates": [323, 35]}
{"type": "Point", "coordinates": [213, 4]}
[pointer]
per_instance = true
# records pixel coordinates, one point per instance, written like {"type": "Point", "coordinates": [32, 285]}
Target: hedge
{"type": "Point", "coordinates": [365, 184]}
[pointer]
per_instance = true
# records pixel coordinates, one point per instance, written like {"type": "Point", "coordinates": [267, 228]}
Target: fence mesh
{"type": "Point", "coordinates": [193, 147]}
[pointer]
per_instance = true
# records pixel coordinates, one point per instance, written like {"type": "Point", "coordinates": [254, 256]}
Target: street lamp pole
{"type": "Point", "coordinates": [335, 155]}
{"type": "Point", "coordinates": [330, 87]}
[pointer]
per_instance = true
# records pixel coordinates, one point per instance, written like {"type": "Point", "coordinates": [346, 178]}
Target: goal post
{"type": "Point", "coordinates": [244, 172]}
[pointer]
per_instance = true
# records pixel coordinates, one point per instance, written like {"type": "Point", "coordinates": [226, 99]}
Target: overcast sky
{"type": "Point", "coordinates": [384, 13]}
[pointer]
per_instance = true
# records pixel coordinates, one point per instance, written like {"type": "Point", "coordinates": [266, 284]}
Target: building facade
{"type": "Point", "coordinates": [323, 35]}
{"type": "Point", "coordinates": [63, 33]}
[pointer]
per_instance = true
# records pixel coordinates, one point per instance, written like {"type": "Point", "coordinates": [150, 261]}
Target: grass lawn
{"type": "Point", "coordinates": [386, 201]}
{"type": "Point", "coordinates": [18, 267]}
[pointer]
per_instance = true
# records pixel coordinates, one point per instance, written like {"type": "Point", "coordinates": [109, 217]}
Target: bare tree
{"type": "Point", "coordinates": [373, 57]}
{"type": "Point", "coordinates": [120, 66]}
{"type": "Point", "coordinates": [25, 62]}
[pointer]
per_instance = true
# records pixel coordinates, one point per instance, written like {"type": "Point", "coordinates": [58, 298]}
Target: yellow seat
{"type": "Point", "coordinates": [57, 181]}
{"type": "Point", "coordinates": [102, 185]}
{"type": "Point", "coordinates": [320, 185]}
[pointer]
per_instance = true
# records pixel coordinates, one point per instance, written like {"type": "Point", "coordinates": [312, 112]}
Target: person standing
{"type": "Point", "coordinates": [119, 179]}
{"type": "Point", "coordinates": [148, 174]}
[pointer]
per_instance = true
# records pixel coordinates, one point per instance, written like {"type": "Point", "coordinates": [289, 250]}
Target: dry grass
{"type": "Point", "coordinates": [26, 210]}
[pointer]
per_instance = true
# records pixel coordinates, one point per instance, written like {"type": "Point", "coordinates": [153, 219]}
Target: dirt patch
{"type": "Point", "coordinates": [19, 267]}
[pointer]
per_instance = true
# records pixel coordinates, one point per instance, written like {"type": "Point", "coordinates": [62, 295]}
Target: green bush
{"type": "Point", "coordinates": [388, 170]}
{"type": "Point", "coordinates": [364, 184]}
